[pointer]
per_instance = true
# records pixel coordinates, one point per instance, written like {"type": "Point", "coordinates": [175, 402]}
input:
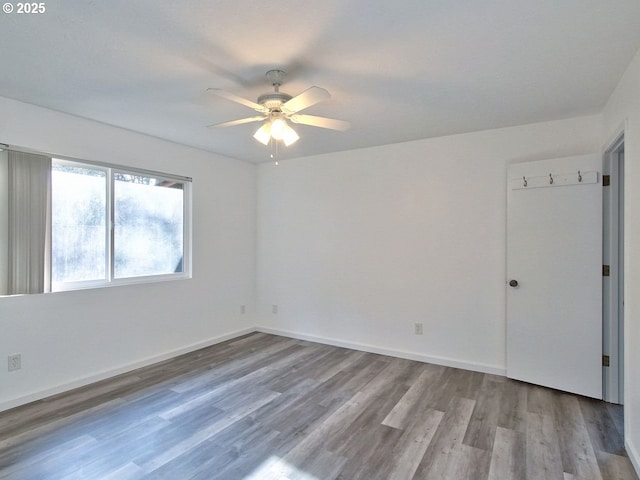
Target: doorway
{"type": "Point", "coordinates": [613, 274]}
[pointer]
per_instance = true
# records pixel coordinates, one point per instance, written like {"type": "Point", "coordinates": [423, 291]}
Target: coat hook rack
{"type": "Point", "coordinates": [530, 180]}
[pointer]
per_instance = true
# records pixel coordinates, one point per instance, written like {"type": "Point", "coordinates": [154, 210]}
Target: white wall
{"type": "Point", "coordinates": [69, 338]}
{"type": "Point", "coordinates": [355, 247]}
{"type": "Point", "coordinates": [622, 112]}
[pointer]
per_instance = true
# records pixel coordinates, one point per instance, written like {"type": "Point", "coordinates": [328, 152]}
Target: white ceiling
{"type": "Point", "coordinates": [397, 71]}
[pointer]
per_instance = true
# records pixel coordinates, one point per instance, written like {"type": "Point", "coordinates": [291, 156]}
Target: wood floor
{"type": "Point", "coordinates": [269, 407]}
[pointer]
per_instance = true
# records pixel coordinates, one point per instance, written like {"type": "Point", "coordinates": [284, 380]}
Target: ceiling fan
{"type": "Point", "coordinates": [277, 107]}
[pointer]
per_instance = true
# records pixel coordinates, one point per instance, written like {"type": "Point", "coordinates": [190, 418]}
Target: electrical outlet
{"type": "Point", "coordinates": [243, 309]}
{"type": "Point", "coordinates": [14, 362]}
{"type": "Point", "coordinates": [274, 309]}
{"type": "Point", "coordinates": [418, 328]}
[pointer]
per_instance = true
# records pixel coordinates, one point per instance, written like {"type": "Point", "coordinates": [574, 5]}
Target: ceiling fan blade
{"type": "Point", "coordinates": [237, 122]}
{"type": "Point", "coordinates": [310, 96]}
{"type": "Point", "coordinates": [322, 122]}
{"type": "Point", "coordinates": [235, 98]}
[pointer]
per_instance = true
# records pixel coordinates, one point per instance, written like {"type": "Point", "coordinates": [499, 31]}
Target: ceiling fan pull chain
{"type": "Point", "coordinates": [273, 144]}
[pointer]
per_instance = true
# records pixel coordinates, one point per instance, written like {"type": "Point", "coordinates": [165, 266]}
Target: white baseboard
{"type": "Point", "coordinates": [633, 456]}
{"type": "Point", "coordinates": [81, 382]}
{"type": "Point", "coordinates": [446, 362]}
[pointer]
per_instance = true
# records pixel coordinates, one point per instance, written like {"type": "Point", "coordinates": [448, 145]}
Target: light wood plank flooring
{"type": "Point", "coordinates": [270, 407]}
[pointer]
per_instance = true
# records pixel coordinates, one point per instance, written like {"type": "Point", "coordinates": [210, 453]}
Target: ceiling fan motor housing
{"type": "Point", "coordinates": [273, 100]}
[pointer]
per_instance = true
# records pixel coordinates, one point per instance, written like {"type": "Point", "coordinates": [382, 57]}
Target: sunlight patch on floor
{"type": "Point", "coordinates": [275, 468]}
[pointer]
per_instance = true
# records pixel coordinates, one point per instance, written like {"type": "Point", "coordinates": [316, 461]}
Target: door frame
{"type": "Point", "coordinates": [613, 285]}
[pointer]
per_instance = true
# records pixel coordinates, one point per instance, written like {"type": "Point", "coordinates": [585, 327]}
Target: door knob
{"type": "Point", "coordinates": [513, 283]}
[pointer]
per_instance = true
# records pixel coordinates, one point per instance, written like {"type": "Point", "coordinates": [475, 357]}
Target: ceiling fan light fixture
{"type": "Point", "coordinates": [290, 136]}
{"type": "Point", "coordinates": [263, 134]}
{"type": "Point", "coordinates": [278, 128]}
{"type": "Point", "coordinates": [281, 130]}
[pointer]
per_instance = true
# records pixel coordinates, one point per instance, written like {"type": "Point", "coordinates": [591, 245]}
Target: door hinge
{"type": "Point", "coordinates": [606, 180]}
{"type": "Point", "coordinates": [605, 270]}
{"type": "Point", "coordinates": [605, 360]}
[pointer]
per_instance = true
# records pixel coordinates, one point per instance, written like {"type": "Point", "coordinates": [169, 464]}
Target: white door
{"type": "Point", "coordinates": [554, 274]}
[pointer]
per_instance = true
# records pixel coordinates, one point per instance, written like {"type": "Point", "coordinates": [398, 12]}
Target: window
{"type": "Point", "coordinates": [149, 225]}
{"type": "Point", "coordinates": [78, 223]}
{"type": "Point", "coordinates": [112, 225]}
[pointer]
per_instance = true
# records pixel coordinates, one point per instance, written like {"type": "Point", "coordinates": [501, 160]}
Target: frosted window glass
{"type": "Point", "coordinates": [148, 216]}
{"type": "Point", "coordinates": [78, 203]}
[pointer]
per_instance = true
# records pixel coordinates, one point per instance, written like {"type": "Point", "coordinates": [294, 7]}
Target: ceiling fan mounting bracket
{"type": "Point", "coordinates": [275, 76]}
{"type": "Point", "coordinates": [274, 100]}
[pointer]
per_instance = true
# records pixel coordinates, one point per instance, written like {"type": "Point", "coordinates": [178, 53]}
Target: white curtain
{"type": "Point", "coordinates": [29, 203]}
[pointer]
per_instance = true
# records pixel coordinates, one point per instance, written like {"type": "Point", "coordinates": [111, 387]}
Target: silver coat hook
{"type": "Point", "coordinates": [524, 181]}
{"type": "Point", "coordinates": [550, 179]}
{"type": "Point", "coordinates": [579, 176]}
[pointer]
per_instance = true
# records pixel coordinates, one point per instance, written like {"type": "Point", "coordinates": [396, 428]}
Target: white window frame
{"type": "Point", "coordinates": [110, 279]}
